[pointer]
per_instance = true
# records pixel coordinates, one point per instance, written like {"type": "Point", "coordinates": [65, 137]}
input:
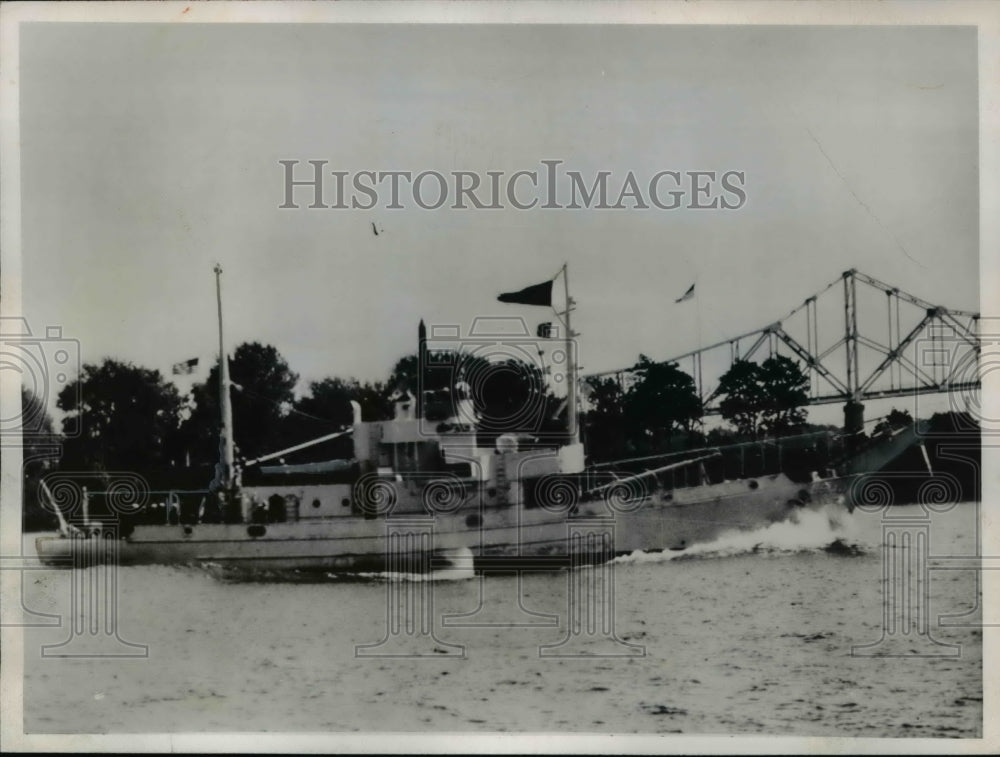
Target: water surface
{"type": "Point", "coordinates": [750, 635]}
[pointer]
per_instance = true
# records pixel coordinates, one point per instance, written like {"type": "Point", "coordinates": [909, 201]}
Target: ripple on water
{"type": "Point", "coordinates": [753, 635]}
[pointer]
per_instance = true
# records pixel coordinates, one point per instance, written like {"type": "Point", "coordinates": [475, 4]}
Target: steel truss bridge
{"type": "Point", "coordinates": [858, 339]}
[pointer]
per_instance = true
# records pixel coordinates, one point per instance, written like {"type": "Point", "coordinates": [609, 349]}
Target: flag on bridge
{"type": "Point", "coordinates": [186, 368]}
{"type": "Point", "coordinates": [536, 294]}
{"type": "Point", "coordinates": [686, 296]}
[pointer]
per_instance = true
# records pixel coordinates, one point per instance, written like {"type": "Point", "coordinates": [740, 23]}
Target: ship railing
{"type": "Point", "coordinates": [796, 454]}
{"type": "Point", "coordinates": [145, 505]}
{"type": "Point", "coordinates": [655, 472]}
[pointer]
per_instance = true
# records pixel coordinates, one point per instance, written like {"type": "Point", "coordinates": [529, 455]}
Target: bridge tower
{"type": "Point", "coordinates": [938, 350]}
{"type": "Point", "coordinates": [854, 409]}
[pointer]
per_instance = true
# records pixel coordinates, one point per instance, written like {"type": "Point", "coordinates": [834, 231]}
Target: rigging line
{"type": "Point", "coordinates": [291, 409]}
{"type": "Point", "coordinates": [860, 201]}
{"type": "Point", "coordinates": [304, 414]}
{"type": "Point", "coordinates": [812, 298]}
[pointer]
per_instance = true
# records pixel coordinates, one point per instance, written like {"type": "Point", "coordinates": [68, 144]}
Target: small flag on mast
{"type": "Point", "coordinates": [186, 368]}
{"type": "Point", "coordinates": [686, 296]}
{"type": "Point", "coordinates": [537, 294]}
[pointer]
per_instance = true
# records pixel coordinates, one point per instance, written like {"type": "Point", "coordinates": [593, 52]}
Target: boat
{"type": "Point", "coordinates": [424, 491]}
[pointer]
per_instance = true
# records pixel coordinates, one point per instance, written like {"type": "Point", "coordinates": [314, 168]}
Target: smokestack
{"type": "Point", "coordinates": [421, 357]}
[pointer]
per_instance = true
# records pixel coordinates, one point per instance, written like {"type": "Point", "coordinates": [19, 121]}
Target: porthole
{"type": "Point", "coordinates": [316, 504]}
{"type": "Point", "coordinates": [753, 484]}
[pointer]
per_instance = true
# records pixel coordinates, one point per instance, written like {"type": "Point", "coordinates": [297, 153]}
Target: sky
{"type": "Point", "coordinates": [149, 152]}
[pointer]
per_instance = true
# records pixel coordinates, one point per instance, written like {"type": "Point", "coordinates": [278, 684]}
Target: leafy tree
{"type": "Point", "coordinates": [604, 421]}
{"type": "Point", "coordinates": [374, 399]}
{"type": "Point", "coordinates": [329, 402]}
{"type": "Point", "coordinates": [38, 429]}
{"type": "Point", "coordinates": [261, 396]}
{"type": "Point", "coordinates": [720, 437]}
{"type": "Point", "coordinates": [509, 396]}
{"type": "Point", "coordinates": [785, 391]}
{"type": "Point", "coordinates": [40, 453]}
{"type": "Point", "coordinates": [37, 423]}
{"type": "Point", "coordinates": [127, 417]}
{"type": "Point", "coordinates": [743, 399]}
{"type": "Point", "coordinates": [663, 400]}
{"type": "Point", "coordinates": [405, 375]}
{"type": "Point", "coordinates": [896, 419]}
{"type": "Point", "coordinates": [327, 409]}
{"type": "Point", "coordinates": [765, 397]}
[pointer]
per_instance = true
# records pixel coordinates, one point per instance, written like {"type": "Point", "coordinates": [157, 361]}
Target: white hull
{"type": "Point", "coordinates": [493, 536]}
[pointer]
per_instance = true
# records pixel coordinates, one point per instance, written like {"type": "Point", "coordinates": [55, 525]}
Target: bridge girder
{"type": "Point", "coordinates": [954, 375]}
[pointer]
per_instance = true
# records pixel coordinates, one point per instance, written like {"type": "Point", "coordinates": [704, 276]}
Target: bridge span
{"type": "Point", "coordinates": [858, 339]}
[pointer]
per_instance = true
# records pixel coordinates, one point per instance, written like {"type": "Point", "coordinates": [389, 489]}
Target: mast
{"type": "Point", "coordinates": [224, 403]}
{"type": "Point", "coordinates": [421, 363]}
{"type": "Point", "coordinates": [572, 431]}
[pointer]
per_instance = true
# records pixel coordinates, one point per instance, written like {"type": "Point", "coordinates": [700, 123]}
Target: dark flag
{"type": "Point", "coordinates": [186, 368]}
{"type": "Point", "coordinates": [687, 295]}
{"type": "Point", "coordinates": [538, 294]}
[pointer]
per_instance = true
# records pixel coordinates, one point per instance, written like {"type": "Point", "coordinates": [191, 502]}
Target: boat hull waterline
{"type": "Point", "coordinates": [490, 537]}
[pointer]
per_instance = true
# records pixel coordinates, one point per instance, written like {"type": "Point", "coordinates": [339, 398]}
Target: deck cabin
{"type": "Point", "coordinates": [414, 463]}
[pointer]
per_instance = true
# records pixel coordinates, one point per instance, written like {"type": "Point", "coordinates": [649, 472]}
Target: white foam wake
{"type": "Point", "coordinates": [806, 530]}
{"type": "Point", "coordinates": [445, 574]}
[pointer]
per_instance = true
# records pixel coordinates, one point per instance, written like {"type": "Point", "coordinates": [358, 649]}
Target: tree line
{"type": "Point", "coordinates": [129, 417]}
{"type": "Point", "coordinates": [659, 407]}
